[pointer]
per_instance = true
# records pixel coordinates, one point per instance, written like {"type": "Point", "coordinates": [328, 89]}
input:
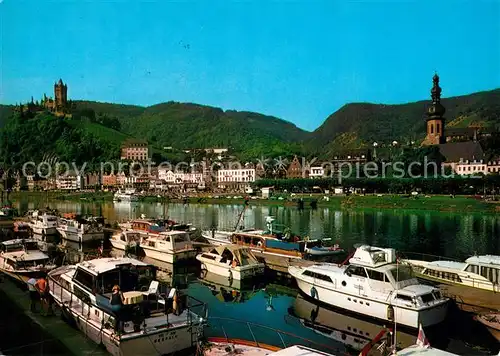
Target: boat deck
{"type": "Point", "coordinates": [155, 322]}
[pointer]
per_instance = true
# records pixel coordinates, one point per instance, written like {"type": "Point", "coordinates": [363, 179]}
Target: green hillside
{"type": "Point", "coordinates": [186, 125]}
{"type": "Point", "coordinates": [6, 112]}
{"type": "Point", "coordinates": [359, 124]}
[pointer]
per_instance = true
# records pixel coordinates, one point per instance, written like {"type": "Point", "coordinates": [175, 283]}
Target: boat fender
{"type": "Point", "coordinates": [314, 293]}
{"type": "Point", "coordinates": [390, 313]}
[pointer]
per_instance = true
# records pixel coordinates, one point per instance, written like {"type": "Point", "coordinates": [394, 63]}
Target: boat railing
{"type": "Point", "coordinates": [251, 334]}
{"type": "Point", "coordinates": [424, 257]}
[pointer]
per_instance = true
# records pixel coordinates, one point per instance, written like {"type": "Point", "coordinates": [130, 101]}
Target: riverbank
{"type": "Point", "coordinates": [441, 203]}
{"type": "Point", "coordinates": [27, 333]}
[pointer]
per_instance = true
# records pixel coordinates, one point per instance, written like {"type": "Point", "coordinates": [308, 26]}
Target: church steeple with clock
{"type": "Point", "coordinates": [435, 121]}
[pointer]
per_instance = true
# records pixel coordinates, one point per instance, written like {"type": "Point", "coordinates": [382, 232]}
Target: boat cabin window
{"type": "Point", "coordinates": [106, 281]}
{"type": "Point", "coordinates": [473, 269]}
{"type": "Point", "coordinates": [179, 238]}
{"type": "Point", "coordinates": [317, 276]}
{"type": "Point", "coordinates": [356, 271]}
{"type": "Point", "coordinates": [426, 298]}
{"type": "Point", "coordinates": [491, 273]}
{"type": "Point", "coordinates": [151, 244]}
{"type": "Point", "coordinates": [84, 278]}
{"type": "Point", "coordinates": [210, 257]}
{"type": "Point", "coordinates": [401, 273]}
{"type": "Point", "coordinates": [122, 237]}
{"type": "Point", "coordinates": [375, 275]}
{"type": "Point", "coordinates": [12, 248]}
{"type": "Point", "coordinates": [445, 275]}
{"type": "Point", "coordinates": [406, 298]}
{"type": "Point", "coordinates": [31, 245]}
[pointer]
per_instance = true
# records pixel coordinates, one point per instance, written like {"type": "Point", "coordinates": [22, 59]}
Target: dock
{"type": "Point", "coordinates": [54, 326]}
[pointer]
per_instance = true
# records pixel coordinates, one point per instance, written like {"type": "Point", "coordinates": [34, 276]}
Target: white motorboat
{"type": "Point", "coordinates": [169, 246]}
{"type": "Point", "coordinates": [233, 262]}
{"type": "Point", "coordinates": [156, 320]}
{"type": "Point", "coordinates": [123, 240]}
{"type": "Point", "coordinates": [80, 230]}
{"type": "Point", "coordinates": [244, 349]}
{"type": "Point", "coordinates": [43, 224]}
{"type": "Point", "coordinates": [374, 285]}
{"type": "Point", "coordinates": [473, 284]}
{"type": "Point", "coordinates": [21, 259]}
{"type": "Point", "coordinates": [128, 195]}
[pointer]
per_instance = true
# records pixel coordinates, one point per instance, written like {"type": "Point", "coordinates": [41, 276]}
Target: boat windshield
{"type": "Point", "coordinates": [31, 246]}
{"type": "Point", "coordinates": [401, 273]}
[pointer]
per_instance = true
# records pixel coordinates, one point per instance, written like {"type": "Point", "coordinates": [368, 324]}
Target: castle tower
{"type": "Point", "coordinates": [60, 94]}
{"type": "Point", "coordinates": [435, 119]}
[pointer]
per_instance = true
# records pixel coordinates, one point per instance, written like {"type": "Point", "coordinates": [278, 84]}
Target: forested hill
{"type": "Point", "coordinates": [187, 125]}
{"type": "Point", "coordinates": [6, 112]}
{"type": "Point", "coordinates": [358, 124]}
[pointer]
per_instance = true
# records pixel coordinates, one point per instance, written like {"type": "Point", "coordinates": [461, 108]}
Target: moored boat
{"type": "Point", "coordinates": [233, 262]}
{"type": "Point", "coordinates": [129, 195]}
{"type": "Point", "coordinates": [21, 259]}
{"type": "Point", "coordinates": [248, 349]}
{"type": "Point", "coordinates": [80, 229]}
{"type": "Point", "coordinates": [374, 285]}
{"type": "Point", "coordinates": [22, 230]}
{"type": "Point", "coordinates": [43, 224]}
{"type": "Point", "coordinates": [473, 284]}
{"type": "Point", "coordinates": [169, 246]}
{"type": "Point", "coordinates": [155, 320]}
{"type": "Point", "coordinates": [492, 323]}
{"type": "Point", "coordinates": [123, 240]}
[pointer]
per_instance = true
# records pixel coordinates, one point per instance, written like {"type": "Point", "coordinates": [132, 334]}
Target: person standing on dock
{"type": "Point", "coordinates": [34, 295]}
{"type": "Point", "coordinates": [43, 289]}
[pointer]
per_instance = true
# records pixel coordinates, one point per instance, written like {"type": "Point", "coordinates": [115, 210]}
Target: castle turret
{"type": "Point", "coordinates": [60, 95]}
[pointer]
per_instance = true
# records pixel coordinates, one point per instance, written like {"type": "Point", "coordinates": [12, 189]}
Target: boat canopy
{"type": "Point", "coordinates": [242, 255]}
{"type": "Point", "coordinates": [373, 256]}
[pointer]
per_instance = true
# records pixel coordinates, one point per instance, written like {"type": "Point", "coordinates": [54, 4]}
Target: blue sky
{"type": "Point", "coordinates": [297, 60]}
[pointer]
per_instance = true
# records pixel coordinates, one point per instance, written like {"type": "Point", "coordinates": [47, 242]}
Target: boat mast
{"type": "Point", "coordinates": [240, 217]}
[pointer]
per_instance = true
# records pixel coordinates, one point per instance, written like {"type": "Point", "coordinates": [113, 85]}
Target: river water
{"type": "Point", "coordinates": [276, 304]}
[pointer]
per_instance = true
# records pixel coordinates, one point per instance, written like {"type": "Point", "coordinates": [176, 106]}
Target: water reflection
{"type": "Point", "coordinates": [353, 332]}
{"type": "Point", "coordinates": [453, 235]}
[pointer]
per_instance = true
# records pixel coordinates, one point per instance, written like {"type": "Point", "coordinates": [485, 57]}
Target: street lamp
{"type": "Point", "coordinates": [375, 144]}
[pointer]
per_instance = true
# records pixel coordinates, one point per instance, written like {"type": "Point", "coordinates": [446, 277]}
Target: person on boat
{"type": "Point", "coordinates": [117, 300]}
{"type": "Point", "coordinates": [34, 295]}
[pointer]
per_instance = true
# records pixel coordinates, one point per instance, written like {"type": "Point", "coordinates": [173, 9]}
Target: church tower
{"type": "Point", "coordinates": [435, 119]}
{"type": "Point", "coordinates": [60, 94]}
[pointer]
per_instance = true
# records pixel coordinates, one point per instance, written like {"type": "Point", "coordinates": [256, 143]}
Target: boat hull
{"type": "Point", "coordinates": [168, 256]}
{"type": "Point", "coordinates": [79, 237]}
{"type": "Point", "coordinates": [493, 328]}
{"type": "Point", "coordinates": [374, 308]}
{"type": "Point", "coordinates": [237, 273]}
{"type": "Point", "coordinates": [40, 230]}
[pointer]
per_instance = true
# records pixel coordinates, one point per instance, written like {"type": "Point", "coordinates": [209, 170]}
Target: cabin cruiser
{"type": "Point", "coordinates": [473, 284]}
{"type": "Point", "coordinates": [373, 284]}
{"type": "Point", "coordinates": [79, 229]}
{"type": "Point", "coordinates": [348, 330]}
{"type": "Point", "coordinates": [43, 223]}
{"type": "Point", "coordinates": [147, 227]}
{"type": "Point", "coordinates": [21, 259]}
{"type": "Point", "coordinates": [123, 240]}
{"type": "Point", "coordinates": [128, 195]}
{"type": "Point", "coordinates": [169, 246]}
{"type": "Point", "coordinates": [155, 320]}
{"type": "Point", "coordinates": [233, 262]}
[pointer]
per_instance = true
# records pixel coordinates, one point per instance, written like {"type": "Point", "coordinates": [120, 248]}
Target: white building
{"type": "Point", "coordinates": [179, 177]}
{"type": "Point", "coordinates": [471, 167]}
{"type": "Point", "coordinates": [69, 181]}
{"type": "Point", "coordinates": [493, 167]}
{"type": "Point", "coordinates": [316, 172]}
{"type": "Point", "coordinates": [236, 175]}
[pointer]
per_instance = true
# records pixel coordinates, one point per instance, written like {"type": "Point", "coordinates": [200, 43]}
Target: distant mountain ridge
{"type": "Point", "coordinates": [252, 135]}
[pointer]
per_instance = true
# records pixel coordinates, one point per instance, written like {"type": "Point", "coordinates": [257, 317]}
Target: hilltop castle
{"type": "Point", "coordinates": [59, 106]}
